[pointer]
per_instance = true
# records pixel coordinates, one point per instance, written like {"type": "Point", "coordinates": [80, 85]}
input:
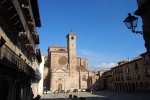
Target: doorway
{"type": "Point", "coordinates": [4, 86]}
{"type": "Point", "coordinates": [59, 87]}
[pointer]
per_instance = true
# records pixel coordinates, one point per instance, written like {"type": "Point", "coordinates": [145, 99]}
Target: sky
{"type": "Point", "coordinates": [102, 37]}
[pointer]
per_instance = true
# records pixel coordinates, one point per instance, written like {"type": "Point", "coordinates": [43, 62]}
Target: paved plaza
{"type": "Point", "coordinates": [98, 95]}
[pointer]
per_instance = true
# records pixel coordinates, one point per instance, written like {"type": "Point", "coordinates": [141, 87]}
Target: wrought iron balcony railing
{"type": "Point", "coordinates": [137, 77]}
{"type": "Point", "coordinates": [128, 78]}
{"type": "Point", "coordinates": [11, 59]}
{"type": "Point", "coordinates": [120, 71]}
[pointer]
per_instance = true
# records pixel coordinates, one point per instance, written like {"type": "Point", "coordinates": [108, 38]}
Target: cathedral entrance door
{"type": "Point", "coordinates": [59, 87]}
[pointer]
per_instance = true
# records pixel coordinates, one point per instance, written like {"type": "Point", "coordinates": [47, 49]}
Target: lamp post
{"type": "Point", "coordinates": [131, 23]}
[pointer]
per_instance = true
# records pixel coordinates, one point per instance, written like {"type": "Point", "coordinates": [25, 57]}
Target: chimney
{"type": "Point", "coordinates": [128, 59]}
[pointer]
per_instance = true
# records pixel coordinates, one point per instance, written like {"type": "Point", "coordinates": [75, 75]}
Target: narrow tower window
{"type": "Point", "coordinates": [72, 38]}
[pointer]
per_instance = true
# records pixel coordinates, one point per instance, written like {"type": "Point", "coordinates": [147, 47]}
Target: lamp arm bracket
{"type": "Point", "coordinates": [138, 32]}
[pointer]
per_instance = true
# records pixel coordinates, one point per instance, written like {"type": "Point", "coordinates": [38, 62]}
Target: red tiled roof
{"type": "Point", "coordinates": [57, 47]}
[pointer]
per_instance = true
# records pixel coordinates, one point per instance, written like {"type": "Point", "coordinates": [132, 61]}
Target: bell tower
{"type": "Point", "coordinates": [71, 46]}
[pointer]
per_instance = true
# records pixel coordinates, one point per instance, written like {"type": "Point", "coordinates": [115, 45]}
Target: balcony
{"type": "Point", "coordinates": [13, 16]}
{"type": "Point", "coordinates": [118, 79]}
{"type": "Point", "coordinates": [147, 74]}
{"type": "Point", "coordinates": [10, 60]}
{"type": "Point", "coordinates": [122, 79]}
{"type": "Point", "coordinates": [10, 15]}
{"type": "Point", "coordinates": [137, 77]}
{"type": "Point", "coordinates": [127, 70]}
{"type": "Point", "coordinates": [145, 62]}
{"type": "Point", "coordinates": [37, 75]}
{"type": "Point", "coordinates": [38, 55]}
{"type": "Point", "coordinates": [120, 71]}
{"type": "Point", "coordinates": [112, 79]}
{"type": "Point", "coordinates": [136, 68]}
{"type": "Point", "coordinates": [108, 75]}
{"type": "Point", "coordinates": [128, 78]}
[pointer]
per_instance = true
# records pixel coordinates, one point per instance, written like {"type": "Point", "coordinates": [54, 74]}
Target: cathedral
{"type": "Point", "coordinates": [65, 71]}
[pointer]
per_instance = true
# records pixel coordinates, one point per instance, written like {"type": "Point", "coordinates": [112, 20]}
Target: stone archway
{"type": "Point", "coordinates": [141, 86]}
{"type": "Point", "coordinates": [133, 87]}
{"type": "Point", "coordinates": [120, 87]}
{"type": "Point", "coordinates": [129, 87]}
{"type": "Point", "coordinates": [125, 86]}
{"type": "Point", "coordinates": [115, 86]}
{"type": "Point", "coordinates": [137, 86]}
{"type": "Point", "coordinates": [147, 86]}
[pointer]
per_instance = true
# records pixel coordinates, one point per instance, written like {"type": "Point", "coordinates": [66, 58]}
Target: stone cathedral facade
{"type": "Point", "coordinates": [66, 70]}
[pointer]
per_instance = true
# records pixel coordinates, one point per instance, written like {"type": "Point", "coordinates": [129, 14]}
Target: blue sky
{"type": "Point", "coordinates": [102, 37]}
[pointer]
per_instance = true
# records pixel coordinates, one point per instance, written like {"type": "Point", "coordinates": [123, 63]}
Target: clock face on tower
{"type": "Point", "coordinates": [62, 60]}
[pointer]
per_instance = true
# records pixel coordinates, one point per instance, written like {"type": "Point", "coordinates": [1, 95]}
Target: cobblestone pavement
{"type": "Point", "coordinates": [99, 95]}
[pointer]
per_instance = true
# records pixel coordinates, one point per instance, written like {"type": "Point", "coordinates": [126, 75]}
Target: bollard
{"type": "Point", "coordinates": [74, 97]}
{"type": "Point", "coordinates": [82, 98]}
{"type": "Point", "coordinates": [70, 96]}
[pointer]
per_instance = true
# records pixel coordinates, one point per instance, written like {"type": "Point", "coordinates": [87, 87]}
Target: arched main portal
{"type": "Point", "coordinates": [59, 87]}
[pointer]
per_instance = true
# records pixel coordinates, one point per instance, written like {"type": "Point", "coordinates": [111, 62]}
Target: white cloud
{"type": "Point", "coordinates": [98, 61]}
{"type": "Point", "coordinates": [97, 57]}
{"type": "Point", "coordinates": [102, 66]}
{"type": "Point", "coordinates": [85, 52]}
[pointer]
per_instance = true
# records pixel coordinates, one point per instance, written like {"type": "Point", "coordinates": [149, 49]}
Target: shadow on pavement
{"type": "Point", "coordinates": [98, 95]}
{"type": "Point", "coordinates": [52, 99]}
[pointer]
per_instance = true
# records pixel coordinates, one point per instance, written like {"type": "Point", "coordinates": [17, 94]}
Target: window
{"type": "Point", "coordinates": [145, 62]}
{"type": "Point", "coordinates": [72, 38]}
{"type": "Point", "coordinates": [84, 78]}
{"type": "Point", "coordinates": [96, 80]}
{"type": "Point", "coordinates": [127, 69]}
{"type": "Point", "coordinates": [136, 66]}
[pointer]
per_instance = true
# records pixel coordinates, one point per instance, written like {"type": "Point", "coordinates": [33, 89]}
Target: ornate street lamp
{"type": "Point", "coordinates": [131, 23]}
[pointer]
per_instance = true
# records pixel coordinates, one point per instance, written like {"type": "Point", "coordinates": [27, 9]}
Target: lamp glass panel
{"type": "Point", "coordinates": [128, 24]}
{"type": "Point", "coordinates": [131, 21]}
{"type": "Point", "coordinates": [134, 22]}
